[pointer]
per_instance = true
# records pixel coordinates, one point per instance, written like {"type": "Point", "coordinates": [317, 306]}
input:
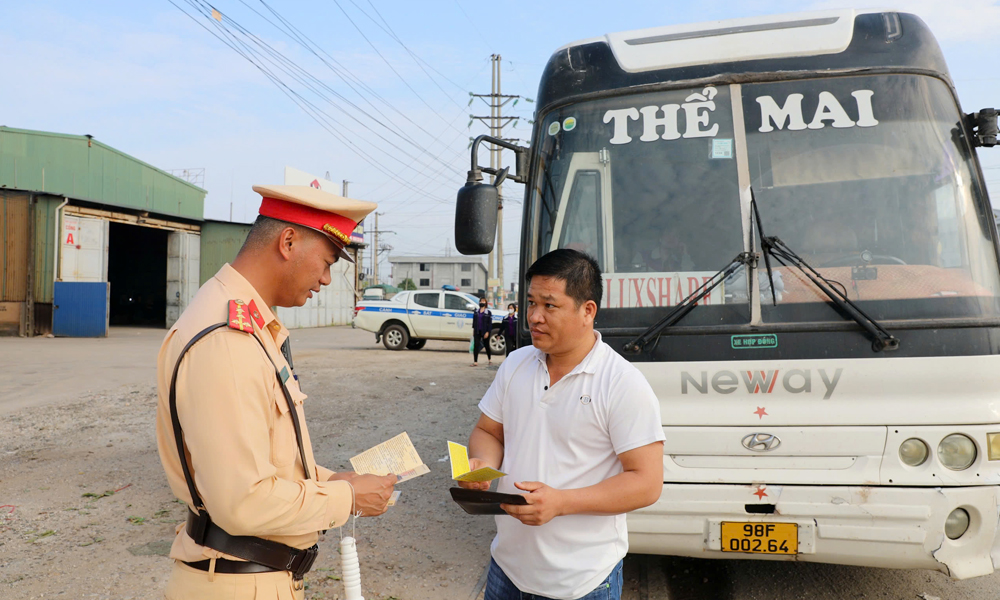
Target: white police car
{"type": "Point", "coordinates": [411, 318]}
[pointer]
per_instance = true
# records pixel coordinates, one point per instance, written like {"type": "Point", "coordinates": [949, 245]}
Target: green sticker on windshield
{"type": "Point", "coordinates": [554, 128]}
{"type": "Point", "coordinates": [764, 340]}
{"type": "Point", "coordinates": [722, 148]}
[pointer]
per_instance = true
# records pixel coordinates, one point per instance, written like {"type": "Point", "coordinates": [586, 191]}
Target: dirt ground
{"type": "Point", "coordinates": [85, 511]}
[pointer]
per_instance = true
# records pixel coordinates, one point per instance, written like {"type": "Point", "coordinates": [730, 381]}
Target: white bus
{"type": "Point", "coordinates": [799, 254]}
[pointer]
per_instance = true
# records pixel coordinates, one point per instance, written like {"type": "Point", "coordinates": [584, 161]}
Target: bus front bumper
{"type": "Point", "coordinates": [865, 526]}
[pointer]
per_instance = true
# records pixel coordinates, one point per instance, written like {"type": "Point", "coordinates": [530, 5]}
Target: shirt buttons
{"type": "Point", "coordinates": [546, 387]}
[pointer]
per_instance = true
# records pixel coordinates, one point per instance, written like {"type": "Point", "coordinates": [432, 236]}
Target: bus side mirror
{"type": "Point", "coordinates": [984, 127]}
{"type": "Point", "coordinates": [476, 218]}
{"type": "Point", "coordinates": [478, 203]}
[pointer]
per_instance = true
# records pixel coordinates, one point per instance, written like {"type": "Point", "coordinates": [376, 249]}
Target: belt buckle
{"type": "Point", "coordinates": [305, 560]}
{"type": "Point", "coordinates": [197, 525]}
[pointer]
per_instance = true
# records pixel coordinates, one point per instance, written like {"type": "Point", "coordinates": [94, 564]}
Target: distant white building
{"type": "Point", "coordinates": [467, 273]}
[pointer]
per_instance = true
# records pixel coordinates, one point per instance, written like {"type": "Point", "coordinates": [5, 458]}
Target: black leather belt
{"type": "Point", "coordinates": [273, 556]}
{"type": "Point", "coordinates": [223, 565]}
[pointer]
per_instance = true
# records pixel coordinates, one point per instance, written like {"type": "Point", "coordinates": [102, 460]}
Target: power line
{"type": "Point", "coordinates": [406, 83]}
{"type": "Point", "coordinates": [320, 116]}
{"type": "Point", "coordinates": [302, 39]}
{"type": "Point", "coordinates": [419, 61]}
{"type": "Point", "coordinates": [309, 108]}
{"type": "Point", "coordinates": [305, 78]}
{"type": "Point", "coordinates": [480, 37]}
{"type": "Point", "coordinates": [340, 70]}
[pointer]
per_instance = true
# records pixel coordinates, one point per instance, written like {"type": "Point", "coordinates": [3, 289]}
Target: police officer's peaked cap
{"type": "Point", "coordinates": [330, 214]}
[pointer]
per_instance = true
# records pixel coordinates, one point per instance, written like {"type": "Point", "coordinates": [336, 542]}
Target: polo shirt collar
{"type": "Point", "coordinates": [588, 364]}
{"type": "Point", "coordinates": [241, 289]}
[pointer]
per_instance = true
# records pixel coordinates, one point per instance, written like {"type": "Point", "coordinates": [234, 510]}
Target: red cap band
{"type": "Point", "coordinates": [332, 224]}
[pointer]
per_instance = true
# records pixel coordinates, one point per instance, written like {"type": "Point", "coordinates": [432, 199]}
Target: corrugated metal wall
{"type": "Point", "coordinates": [85, 169]}
{"type": "Point", "coordinates": [14, 245]}
{"type": "Point", "coordinates": [333, 305]}
{"type": "Point", "coordinates": [219, 244]}
{"type": "Point", "coordinates": [45, 241]}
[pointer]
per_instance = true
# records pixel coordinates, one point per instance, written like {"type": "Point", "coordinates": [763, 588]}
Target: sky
{"type": "Point", "coordinates": [383, 87]}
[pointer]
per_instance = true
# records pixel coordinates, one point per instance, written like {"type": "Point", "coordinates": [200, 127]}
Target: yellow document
{"type": "Point", "coordinates": [460, 469]}
{"type": "Point", "coordinates": [396, 456]}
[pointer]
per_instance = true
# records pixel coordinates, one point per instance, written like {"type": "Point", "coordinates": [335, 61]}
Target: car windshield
{"type": "Point", "coordinates": [867, 178]}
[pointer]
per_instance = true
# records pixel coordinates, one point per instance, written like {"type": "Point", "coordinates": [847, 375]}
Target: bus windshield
{"type": "Point", "coordinates": [867, 178]}
{"type": "Point", "coordinates": [880, 201]}
{"type": "Point", "coordinates": [652, 204]}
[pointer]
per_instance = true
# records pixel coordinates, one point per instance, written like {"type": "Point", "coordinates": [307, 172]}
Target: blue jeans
{"type": "Point", "coordinates": [500, 587]}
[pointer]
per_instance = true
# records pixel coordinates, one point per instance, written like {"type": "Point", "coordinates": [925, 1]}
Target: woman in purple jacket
{"type": "Point", "coordinates": [482, 326]}
{"type": "Point", "coordinates": [509, 328]}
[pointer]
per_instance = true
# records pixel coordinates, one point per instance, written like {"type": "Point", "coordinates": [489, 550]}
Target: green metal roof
{"type": "Point", "coordinates": [82, 168]}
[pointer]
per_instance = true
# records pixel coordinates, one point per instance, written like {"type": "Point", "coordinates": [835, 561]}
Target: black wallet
{"type": "Point", "coordinates": [479, 502]}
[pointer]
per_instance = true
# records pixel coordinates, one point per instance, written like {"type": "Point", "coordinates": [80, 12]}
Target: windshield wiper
{"type": "Point", "coordinates": [755, 216]}
{"type": "Point", "coordinates": [773, 246]}
{"type": "Point", "coordinates": [687, 304]}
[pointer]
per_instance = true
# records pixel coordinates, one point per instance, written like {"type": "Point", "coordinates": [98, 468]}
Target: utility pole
{"type": "Point", "coordinates": [375, 251]}
{"type": "Point", "coordinates": [359, 256]}
{"type": "Point", "coordinates": [496, 101]}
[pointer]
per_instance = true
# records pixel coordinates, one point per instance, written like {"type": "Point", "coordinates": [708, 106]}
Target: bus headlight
{"type": "Point", "coordinates": [956, 524]}
{"type": "Point", "coordinates": [957, 452]}
{"type": "Point", "coordinates": [993, 445]}
{"type": "Point", "coordinates": [914, 452]}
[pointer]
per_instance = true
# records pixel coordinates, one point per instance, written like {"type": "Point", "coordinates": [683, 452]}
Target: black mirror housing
{"type": "Point", "coordinates": [476, 218]}
{"type": "Point", "coordinates": [984, 127]}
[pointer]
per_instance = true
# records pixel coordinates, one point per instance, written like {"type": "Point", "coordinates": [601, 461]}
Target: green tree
{"type": "Point", "coordinates": [407, 284]}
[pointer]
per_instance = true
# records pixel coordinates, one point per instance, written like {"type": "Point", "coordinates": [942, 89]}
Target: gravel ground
{"type": "Point", "coordinates": [85, 511]}
{"type": "Point", "coordinates": [89, 515]}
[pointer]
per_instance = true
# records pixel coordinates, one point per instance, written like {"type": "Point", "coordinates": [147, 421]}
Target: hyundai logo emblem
{"type": "Point", "coordinates": [761, 442]}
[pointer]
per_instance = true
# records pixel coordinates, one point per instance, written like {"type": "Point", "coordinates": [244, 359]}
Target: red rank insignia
{"type": "Point", "coordinates": [238, 316]}
{"type": "Point", "coordinates": [255, 315]}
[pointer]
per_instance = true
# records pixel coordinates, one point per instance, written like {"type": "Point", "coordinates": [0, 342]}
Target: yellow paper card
{"type": "Point", "coordinates": [462, 471]}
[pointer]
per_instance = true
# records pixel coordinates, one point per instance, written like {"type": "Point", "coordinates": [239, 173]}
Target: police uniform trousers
{"type": "Point", "coordinates": [187, 583]}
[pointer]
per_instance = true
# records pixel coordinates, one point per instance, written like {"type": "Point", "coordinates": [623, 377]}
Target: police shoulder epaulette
{"type": "Point", "coordinates": [239, 317]}
{"type": "Point", "coordinates": [255, 314]}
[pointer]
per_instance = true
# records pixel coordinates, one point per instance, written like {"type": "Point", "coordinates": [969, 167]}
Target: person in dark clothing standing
{"type": "Point", "coordinates": [482, 326]}
{"type": "Point", "coordinates": [509, 328]}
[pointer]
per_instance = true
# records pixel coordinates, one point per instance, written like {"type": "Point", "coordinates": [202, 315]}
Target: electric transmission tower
{"type": "Point", "coordinates": [496, 122]}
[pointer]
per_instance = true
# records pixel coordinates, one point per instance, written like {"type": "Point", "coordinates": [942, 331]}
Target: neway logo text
{"type": "Point", "coordinates": [795, 381]}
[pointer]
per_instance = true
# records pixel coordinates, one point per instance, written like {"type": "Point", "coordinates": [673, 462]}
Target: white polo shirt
{"type": "Point", "coordinates": [567, 436]}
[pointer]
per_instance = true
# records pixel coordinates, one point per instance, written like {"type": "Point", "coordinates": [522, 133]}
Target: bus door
{"type": "Point", "coordinates": [584, 220]}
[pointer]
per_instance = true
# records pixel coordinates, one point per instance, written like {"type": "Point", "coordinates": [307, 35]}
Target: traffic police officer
{"type": "Point", "coordinates": [230, 426]}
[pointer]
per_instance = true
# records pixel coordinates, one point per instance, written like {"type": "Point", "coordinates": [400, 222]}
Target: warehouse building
{"type": "Point", "coordinates": [91, 237]}
{"type": "Point", "coordinates": [467, 273]}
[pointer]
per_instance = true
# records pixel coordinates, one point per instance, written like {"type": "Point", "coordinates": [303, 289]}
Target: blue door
{"type": "Point", "coordinates": [80, 309]}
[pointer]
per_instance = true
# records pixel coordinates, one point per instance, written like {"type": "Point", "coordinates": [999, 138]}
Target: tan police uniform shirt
{"type": "Point", "coordinates": [238, 429]}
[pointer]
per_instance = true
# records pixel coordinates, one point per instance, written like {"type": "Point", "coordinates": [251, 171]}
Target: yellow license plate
{"type": "Point", "coordinates": [760, 538]}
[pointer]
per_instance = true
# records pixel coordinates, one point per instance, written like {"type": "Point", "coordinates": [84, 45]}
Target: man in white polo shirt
{"type": "Point", "coordinates": [578, 428]}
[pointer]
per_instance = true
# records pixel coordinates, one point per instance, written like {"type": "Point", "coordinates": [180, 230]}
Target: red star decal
{"type": "Point", "coordinates": [760, 493]}
{"type": "Point", "coordinates": [760, 412]}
